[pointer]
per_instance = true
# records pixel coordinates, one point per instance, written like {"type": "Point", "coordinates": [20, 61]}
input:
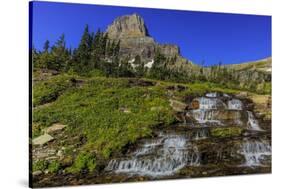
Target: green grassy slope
{"type": "Point", "coordinates": [108, 113]}
{"type": "Point", "coordinates": [259, 65]}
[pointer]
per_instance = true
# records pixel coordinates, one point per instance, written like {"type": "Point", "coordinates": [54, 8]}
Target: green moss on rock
{"type": "Point", "coordinates": [226, 132]}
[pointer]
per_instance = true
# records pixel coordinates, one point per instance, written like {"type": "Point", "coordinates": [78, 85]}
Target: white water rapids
{"type": "Point", "coordinates": [160, 157]}
{"type": "Point", "coordinates": [254, 152]}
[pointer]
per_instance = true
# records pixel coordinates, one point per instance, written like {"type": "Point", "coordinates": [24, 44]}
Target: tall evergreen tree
{"type": "Point", "coordinates": [82, 55]}
{"type": "Point", "coordinates": [60, 54]}
{"type": "Point", "coordinates": [46, 46]}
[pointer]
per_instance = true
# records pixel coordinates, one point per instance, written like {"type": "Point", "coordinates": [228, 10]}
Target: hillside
{"type": "Point", "coordinates": [264, 65]}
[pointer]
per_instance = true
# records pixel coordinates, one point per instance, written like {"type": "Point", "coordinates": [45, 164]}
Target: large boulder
{"type": "Point", "coordinates": [178, 106]}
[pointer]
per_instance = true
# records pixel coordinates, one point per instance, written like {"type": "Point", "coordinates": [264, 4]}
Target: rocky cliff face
{"type": "Point", "coordinates": [128, 26]}
{"type": "Point", "coordinates": [135, 40]}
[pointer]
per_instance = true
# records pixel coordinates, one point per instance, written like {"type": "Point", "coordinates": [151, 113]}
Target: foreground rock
{"type": "Point", "coordinates": [178, 106]}
{"type": "Point", "coordinates": [43, 139]}
{"type": "Point", "coordinates": [55, 128]}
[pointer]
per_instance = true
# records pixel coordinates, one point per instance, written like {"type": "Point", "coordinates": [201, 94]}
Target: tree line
{"type": "Point", "coordinates": [97, 54]}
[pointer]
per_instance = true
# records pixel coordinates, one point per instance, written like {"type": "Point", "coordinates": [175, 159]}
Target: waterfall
{"type": "Point", "coordinates": [205, 116]}
{"type": "Point", "coordinates": [212, 95]}
{"type": "Point", "coordinates": [234, 104]}
{"type": "Point", "coordinates": [253, 123]}
{"type": "Point", "coordinates": [226, 95]}
{"type": "Point", "coordinates": [254, 152]}
{"type": "Point", "coordinates": [148, 147]}
{"type": "Point", "coordinates": [164, 157]}
{"type": "Point", "coordinates": [210, 103]}
{"type": "Point", "coordinates": [207, 110]}
{"type": "Point", "coordinates": [213, 111]}
{"type": "Point", "coordinates": [200, 134]}
{"type": "Point", "coordinates": [177, 147]}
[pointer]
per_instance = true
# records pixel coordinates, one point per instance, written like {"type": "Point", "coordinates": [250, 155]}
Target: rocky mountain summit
{"type": "Point", "coordinates": [128, 26]}
{"type": "Point", "coordinates": [135, 40]}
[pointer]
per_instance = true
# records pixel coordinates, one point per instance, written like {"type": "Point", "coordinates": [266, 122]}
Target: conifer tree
{"type": "Point", "coordinates": [82, 55]}
{"type": "Point", "coordinates": [46, 46]}
{"type": "Point", "coordinates": [60, 54]}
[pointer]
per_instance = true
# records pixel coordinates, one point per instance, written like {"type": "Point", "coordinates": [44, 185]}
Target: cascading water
{"type": "Point", "coordinates": [212, 95]}
{"type": "Point", "coordinates": [254, 152]}
{"type": "Point", "coordinates": [199, 134]}
{"type": "Point", "coordinates": [205, 116]}
{"type": "Point", "coordinates": [210, 103]}
{"type": "Point", "coordinates": [187, 144]}
{"type": "Point", "coordinates": [148, 147]}
{"type": "Point", "coordinates": [253, 123]}
{"type": "Point", "coordinates": [235, 104]}
{"type": "Point", "coordinates": [207, 109]}
{"type": "Point", "coordinates": [164, 157]}
{"type": "Point", "coordinates": [219, 111]}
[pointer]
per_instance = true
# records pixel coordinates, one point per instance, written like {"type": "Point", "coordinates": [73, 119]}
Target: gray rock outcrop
{"type": "Point", "coordinates": [135, 39]}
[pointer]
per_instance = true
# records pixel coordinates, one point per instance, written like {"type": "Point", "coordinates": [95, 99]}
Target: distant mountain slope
{"type": "Point", "coordinates": [264, 65]}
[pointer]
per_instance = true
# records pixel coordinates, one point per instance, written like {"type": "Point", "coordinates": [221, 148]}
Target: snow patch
{"type": "Point", "coordinates": [149, 64]}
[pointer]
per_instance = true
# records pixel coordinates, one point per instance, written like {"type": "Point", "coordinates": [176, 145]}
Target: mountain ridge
{"type": "Point", "coordinates": [135, 40]}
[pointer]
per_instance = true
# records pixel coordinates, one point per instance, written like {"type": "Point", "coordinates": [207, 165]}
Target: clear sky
{"type": "Point", "coordinates": [201, 36]}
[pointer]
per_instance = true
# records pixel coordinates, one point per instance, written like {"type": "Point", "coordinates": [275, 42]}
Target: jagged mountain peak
{"type": "Point", "coordinates": [135, 40]}
{"type": "Point", "coordinates": [127, 26]}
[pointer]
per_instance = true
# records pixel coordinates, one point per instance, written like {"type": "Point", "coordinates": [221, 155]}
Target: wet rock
{"type": "Point", "coordinates": [178, 106]}
{"type": "Point", "coordinates": [180, 117]}
{"type": "Point", "coordinates": [195, 104]}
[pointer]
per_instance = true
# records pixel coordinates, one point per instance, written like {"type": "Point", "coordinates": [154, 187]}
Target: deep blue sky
{"type": "Point", "coordinates": [201, 36]}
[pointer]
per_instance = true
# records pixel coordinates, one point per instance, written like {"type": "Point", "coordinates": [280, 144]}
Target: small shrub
{"type": "Point", "coordinates": [39, 165]}
{"type": "Point", "coordinates": [54, 167]}
{"type": "Point", "coordinates": [84, 161]}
